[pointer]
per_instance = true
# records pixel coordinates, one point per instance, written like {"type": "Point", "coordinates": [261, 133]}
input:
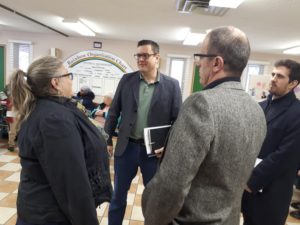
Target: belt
{"type": "Point", "coordinates": [137, 141]}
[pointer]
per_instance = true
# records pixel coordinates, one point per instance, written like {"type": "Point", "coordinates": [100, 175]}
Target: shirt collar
{"type": "Point", "coordinates": [220, 81]}
{"type": "Point", "coordinates": [157, 77]}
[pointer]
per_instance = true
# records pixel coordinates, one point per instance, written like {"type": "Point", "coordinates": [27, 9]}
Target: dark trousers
{"type": "Point", "coordinates": [21, 222]}
{"type": "Point", "coordinates": [126, 167]}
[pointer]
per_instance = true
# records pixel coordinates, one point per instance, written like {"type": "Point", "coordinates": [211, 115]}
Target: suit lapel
{"type": "Point", "coordinates": [135, 86]}
{"type": "Point", "coordinates": [264, 105]}
{"type": "Point", "coordinates": [157, 91]}
{"type": "Point", "coordinates": [278, 108]}
{"type": "Point", "coordinates": [276, 111]}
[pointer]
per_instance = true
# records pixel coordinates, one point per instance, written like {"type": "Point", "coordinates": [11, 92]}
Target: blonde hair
{"type": "Point", "coordinates": [26, 88]}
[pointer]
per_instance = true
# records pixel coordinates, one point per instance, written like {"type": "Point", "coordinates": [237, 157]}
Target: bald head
{"type": "Point", "coordinates": [232, 45]}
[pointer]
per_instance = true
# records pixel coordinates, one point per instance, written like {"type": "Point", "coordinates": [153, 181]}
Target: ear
{"type": "Point", "coordinates": [218, 64]}
{"type": "Point", "coordinates": [55, 83]}
{"type": "Point", "coordinates": [293, 84]}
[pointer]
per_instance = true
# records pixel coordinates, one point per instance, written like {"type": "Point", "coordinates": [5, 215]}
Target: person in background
{"type": "Point", "coordinates": [65, 168]}
{"type": "Point", "coordinates": [144, 98]}
{"type": "Point", "coordinates": [100, 113]}
{"type": "Point", "coordinates": [269, 190]}
{"type": "Point", "coordinates": [213, 144]}
{"type": "Point", "coordinates": [86, 97]}
{"type": "Point", "coordinates": [11, 120]}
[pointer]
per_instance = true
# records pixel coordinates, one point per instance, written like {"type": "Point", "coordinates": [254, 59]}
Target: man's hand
{"type": "Point", "coordinates": [248, 189]}
{"type": "Point", "coordinates": [159, 152]}
{"type": "Point", "coordinates": [110, 150]}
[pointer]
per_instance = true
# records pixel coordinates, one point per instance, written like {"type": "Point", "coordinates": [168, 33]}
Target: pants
{"type": "Point", "coordinates": [126, 167]}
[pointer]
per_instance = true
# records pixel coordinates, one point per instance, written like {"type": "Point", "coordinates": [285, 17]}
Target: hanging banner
{"type": "Point", "coordinates": [99, 70]}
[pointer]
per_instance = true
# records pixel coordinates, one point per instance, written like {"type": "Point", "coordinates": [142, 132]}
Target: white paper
{"type": "Point", "coordinates": [257, 161]}
{"type": "Point", "coordinates": [10, 114]}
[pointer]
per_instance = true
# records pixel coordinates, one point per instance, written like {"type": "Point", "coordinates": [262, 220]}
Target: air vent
{"type": "Point", "coordinates": [200, 7]}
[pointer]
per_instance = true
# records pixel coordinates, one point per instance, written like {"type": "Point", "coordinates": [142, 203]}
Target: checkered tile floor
{"type": "Point", "coordinates": [9, 180]}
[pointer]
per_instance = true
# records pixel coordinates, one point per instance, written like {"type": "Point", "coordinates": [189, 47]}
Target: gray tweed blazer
{"type": "Point", "coordinates": [209, 157]}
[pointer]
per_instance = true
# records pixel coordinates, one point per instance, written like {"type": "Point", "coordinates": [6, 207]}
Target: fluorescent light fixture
{"type": "Point", "coordinates": [181, 33]}
{"type": "Point", "coordinates": [292, 51]}
{"type": "Point", "coordinates": [79, 27]}
{"type": "Point", "coordinates": [193, 39]}
{"type": "Point", "coordinates": [225, 3]}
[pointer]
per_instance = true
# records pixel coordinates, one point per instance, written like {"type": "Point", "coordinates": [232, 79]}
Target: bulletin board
{"type": "Point", "coordinates": [2, 67]}
{"type": "Point", "coordinates": [99, 70]}
{"type": "Point", "coordinates": [259, 85]}
{"type": "Point", "coordinates": [196, 86]}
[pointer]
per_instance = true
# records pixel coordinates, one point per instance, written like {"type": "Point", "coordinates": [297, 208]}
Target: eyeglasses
{"type": "Point", "coordinates": [143, 56]}
{"type": "Point", "coordinates": [70, 75]}
{"type": "Point", "coordinates": [197, 57]}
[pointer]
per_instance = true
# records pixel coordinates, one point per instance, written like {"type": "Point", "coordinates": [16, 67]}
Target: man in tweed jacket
{"type": "Point", "coordinates": [213, 144]}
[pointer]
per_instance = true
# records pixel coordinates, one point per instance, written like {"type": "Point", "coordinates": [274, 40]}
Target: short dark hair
{"type": "Point", "coordinates": [293, 66]}
{"type": "Point", "coordinates": [232, 45]}
{"type": "Point", "coordinates": [154, 45]}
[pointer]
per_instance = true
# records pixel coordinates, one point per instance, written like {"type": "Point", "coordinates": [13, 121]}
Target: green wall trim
{"type": "Point", "coordinates": [196, 80]}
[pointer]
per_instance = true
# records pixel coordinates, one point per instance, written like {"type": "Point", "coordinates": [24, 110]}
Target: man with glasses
{"type": "Point", "coordinates": [270, 187]}
{"type": "Point", "coordinates": [144, 98]}
{"type": "Point", "coordinates": [213, 144]}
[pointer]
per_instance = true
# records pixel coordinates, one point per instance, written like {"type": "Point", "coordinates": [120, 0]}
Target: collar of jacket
{"type": "Point", "coordinates": [58, 99]}
{"type": "Point", "coordinates": [220, 81]}
{"type": "Point", "coordinates": [68, 102]}
{"type": "Point", "coordinates": [274, 108]}
{"type": "Point", "coordinates": [282, 100]}
{"type": "Point", "coordinates": [157, 77]}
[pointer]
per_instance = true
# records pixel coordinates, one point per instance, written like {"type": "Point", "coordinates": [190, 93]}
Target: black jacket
{"type": "Point", "coordinates": [275, 175]}
{"type": "Point", "coordinates": [164, 106]}
{"type": "Point", "coordinates": [65, 168]}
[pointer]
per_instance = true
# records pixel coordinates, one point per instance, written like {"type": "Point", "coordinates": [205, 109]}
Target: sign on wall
{"type": "Point", "coordinates": [99, 70]}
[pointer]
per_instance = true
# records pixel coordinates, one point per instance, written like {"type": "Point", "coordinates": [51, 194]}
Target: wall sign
{"type": "Point", "coordinates": [99, 70]}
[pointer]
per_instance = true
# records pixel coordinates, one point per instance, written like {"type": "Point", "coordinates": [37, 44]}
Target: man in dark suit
{"type": "Point", "coordinates": [270, 187]}
{"type": "Point", "coordinates": [144, 98]}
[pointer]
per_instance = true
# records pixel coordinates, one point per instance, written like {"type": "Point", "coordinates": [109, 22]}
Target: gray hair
{"type": "Point", "coordinates": [26, 88]}
{"type": "Point", "coordinates": [85, 89]}
{"type": "Point", "coordinates": [232, 45]}
{"type": "Point", "coordinates": [109, 95]}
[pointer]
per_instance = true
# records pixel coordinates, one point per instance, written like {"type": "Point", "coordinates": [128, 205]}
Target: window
{"type": "Point", "coordinates": [177, 67]}
{"type": "Point", "coordinates": [253, 68]}
{"type": "Point", "coordinates": [20, 55]}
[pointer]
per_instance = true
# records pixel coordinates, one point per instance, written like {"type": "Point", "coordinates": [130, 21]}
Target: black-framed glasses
{"type": "Point", "coordinates": [143, 56]}
{"type": "Point", "coordinates": [70, 75]}
{"type": "Point", "coordinates": [198, 56]}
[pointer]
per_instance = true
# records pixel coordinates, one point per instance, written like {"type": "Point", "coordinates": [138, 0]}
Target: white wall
{"type": "Point", "coordinates": [123, 49]}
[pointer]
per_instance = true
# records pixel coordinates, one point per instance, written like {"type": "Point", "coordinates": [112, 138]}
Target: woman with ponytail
{"type": "Point", "coordinates": [65, 170]}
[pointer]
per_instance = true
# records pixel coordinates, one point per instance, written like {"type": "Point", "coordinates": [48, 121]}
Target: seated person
{"type": "Point", "coordinates": [11, 121]}
{"type": "Point", "coordinates": [86, 97]}
{"type": "Point", "coordinates": [100, 113]}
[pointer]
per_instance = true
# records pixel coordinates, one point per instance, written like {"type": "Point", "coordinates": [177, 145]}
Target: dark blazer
{"type": "Point", "coordinates": [164, 107]}
{"type": "Point", "coordinates": [65, 169]}
{"type": "Point", "coordinates": [281, 155]}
